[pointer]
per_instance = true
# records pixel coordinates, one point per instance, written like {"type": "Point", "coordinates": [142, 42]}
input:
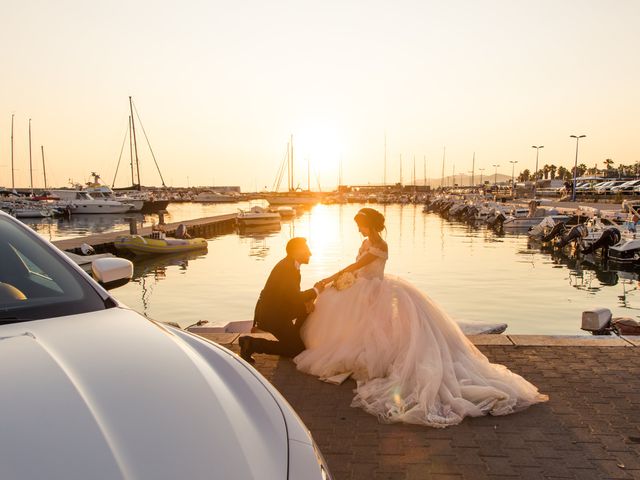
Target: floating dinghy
{"type": "Point", "coordinates": [153, 246]}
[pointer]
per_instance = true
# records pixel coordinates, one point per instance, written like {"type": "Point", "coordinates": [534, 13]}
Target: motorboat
{"type": "Point", "coordinates": [103, 192]}
{"type": "Point", "coordinates": [257, 216]}
{"type": "Point", "coordinates": [534, 215]}
{"type": "Point", "coordinates": [161, 244]}
{"type": "Point", "coordinates": [80, 201]}
{"type": "Point", "coordinates": [29, 209]}
{"type": "Point", "coordinates": [285, 211]}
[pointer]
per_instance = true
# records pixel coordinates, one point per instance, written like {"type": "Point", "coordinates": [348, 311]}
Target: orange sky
{"type": "Point", "coordinates": [220, 86]}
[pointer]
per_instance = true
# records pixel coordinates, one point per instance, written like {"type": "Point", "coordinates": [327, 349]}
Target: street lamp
{"type": "Point", "coordinates": [495, 176]}
{"type": "Point", "coordinates": [575, 166]}
{"type": "Point", "coordinates": [481, 177]}
{"type": "Point", "coordinates": [513, 171]}
{"type": "Point", "coordinates": [535, 178]}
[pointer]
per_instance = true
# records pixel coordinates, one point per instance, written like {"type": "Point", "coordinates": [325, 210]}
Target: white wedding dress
{"type": "Point", "coordinates": [411, 361]}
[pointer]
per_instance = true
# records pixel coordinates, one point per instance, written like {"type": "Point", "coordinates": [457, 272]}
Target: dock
{"type": "Point", "coordinates": [201, 227]}
{"type": "Point", "coordinates": [589, 428]}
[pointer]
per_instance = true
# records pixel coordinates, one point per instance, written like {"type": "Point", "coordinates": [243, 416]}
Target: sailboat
{"type": "Point", "coordinates": [293, 196]}
{"type": "Point", "coordinates": [150, 204]}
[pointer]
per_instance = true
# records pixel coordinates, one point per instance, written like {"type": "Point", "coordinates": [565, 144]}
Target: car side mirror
{"type": "Point", "coordinates": [112, 272]}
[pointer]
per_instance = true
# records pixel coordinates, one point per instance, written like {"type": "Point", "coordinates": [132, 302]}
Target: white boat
{"type": "Point", "coordinates": [80, 201]}
{"type": "Point", "coordinates": [99, 191]}
{"type": "Point", "coordinates": [527, 222]}
{"type": "Point", "coordinates": [257, 216]}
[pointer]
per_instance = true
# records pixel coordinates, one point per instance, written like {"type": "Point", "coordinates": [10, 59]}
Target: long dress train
{"type": "Point", "coordinates": [411, 361]}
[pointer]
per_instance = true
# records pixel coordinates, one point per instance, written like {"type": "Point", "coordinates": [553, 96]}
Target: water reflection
{"type": "Point", "coordinates": [257, 236]}
{"type": "Point", "coordinates": [475, 274]}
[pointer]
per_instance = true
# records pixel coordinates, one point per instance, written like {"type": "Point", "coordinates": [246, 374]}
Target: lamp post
{"type": "Point", "coordinates": [513, 182]}
{"type": "Point", "coordinates": [575, 166]}
{"type": "Point", "coordinates": [481, 177]}
{"type": "Point", "coordinates": [495, 175]}
{"type": "Point", "coordinates": [535, 177]}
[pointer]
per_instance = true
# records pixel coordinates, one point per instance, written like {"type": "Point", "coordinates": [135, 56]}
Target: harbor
{"type": "Point", "coordinates": [448, 259]}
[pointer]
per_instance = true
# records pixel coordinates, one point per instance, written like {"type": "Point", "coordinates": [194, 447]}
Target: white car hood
{"type": "Point", "coordinates": [112, 395]}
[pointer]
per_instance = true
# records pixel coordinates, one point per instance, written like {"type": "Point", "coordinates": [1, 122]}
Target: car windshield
{"type": "Point", "coordinates": [35, 283]}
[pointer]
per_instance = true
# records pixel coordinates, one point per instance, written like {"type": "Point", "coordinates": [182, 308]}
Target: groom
{"type": "Point", "coordinates": [280, 304]}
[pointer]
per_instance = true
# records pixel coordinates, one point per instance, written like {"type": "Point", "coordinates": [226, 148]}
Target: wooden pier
{"type": "Point", "coordinates": [201, 227]}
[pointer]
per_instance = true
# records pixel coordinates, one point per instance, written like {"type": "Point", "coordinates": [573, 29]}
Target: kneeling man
{"type": "Point", "coordinates": [282, 308]}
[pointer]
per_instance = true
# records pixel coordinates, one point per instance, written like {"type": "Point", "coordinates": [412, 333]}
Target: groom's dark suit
{"type": "Point", "coordinates": [280, 303]}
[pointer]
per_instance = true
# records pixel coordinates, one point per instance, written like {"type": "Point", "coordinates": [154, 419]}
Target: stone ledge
{"type": "Point", "coordinates": [490, 340]}
{"type": "Point", "coordinates": [568, 341]}
{"type": "Point", "coordinates": [485, 340]}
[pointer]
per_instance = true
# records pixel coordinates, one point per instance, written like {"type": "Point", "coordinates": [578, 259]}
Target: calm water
{"type": "Point", "coordinates": [474, 274]}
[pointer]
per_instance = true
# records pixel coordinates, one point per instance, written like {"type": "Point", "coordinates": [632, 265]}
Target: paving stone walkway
{"type": "Point", "coordinates": [590, 428]}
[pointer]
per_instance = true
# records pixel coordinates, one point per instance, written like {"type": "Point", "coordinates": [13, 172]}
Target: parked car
{"type": "Point", "coordinates": [92, 389]}
{"type": "Point", "coordinates": [625, 187]}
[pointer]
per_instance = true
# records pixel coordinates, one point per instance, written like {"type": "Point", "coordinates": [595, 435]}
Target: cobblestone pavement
{"type": "Point", "coordinates": [589, 429]}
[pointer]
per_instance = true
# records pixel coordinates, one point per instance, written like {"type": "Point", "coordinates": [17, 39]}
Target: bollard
{"type": "Point", "coordinates": [161, 217]}
{"type": "Point", "coordinates": [133, 225]}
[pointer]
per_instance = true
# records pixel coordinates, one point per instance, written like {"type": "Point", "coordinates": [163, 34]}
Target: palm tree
{"type": "Point", "coordinates": [545, 171]}
{"type": "Point", "coordinates": [524, 176]}
{"type": "Point", "coordinates": [562, 173]}
{"type": "Point", "coordinates": [581, 169]}
{"type": "Point", "coordinates": [608, 162]}
{"type": "Point", "coordinates": [552, 171]}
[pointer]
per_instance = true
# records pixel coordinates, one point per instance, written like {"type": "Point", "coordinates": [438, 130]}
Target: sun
{"type": "Point", "coordinates": [320, 147]}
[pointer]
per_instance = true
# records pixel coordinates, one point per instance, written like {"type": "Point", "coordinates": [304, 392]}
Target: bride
{"type": "Point", "coordinates": [411, 361]}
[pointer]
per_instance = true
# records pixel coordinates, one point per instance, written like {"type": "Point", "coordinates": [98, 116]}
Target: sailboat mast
{"type": "Point", "coordinates": [135, 143]}
{"type": "Point", "coordinates": [13, 176]}
{"type": "Point", "coordinates": [444, 154]}
{"type": "Point", "coordinates": [291, 188]}
{"type": "Point", "coordinates": [384, 176]}
{"type": "Point", "coordinates": [401, 170]}
{"type": "Point", "coordinates": [308, 174]}
{"type": "Point", "coordinates": [473, 170]}
{"type": "Point", "coordinates": [30, 161]}
{"type": "Point", "coordinates": [425, 171]}
{"type": "Point", "coordinates": [414, 171]}
{"type": "Point", "coordinates": [44, 169]}
{"type": "Point", "coordinates": [133, 182]}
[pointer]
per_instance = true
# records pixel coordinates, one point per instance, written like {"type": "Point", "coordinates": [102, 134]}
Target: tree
{"type": "Point", "coordinates": [581, 169]}
{"type": "Point", "coordinates": [562, 173]}
{"type": "Point", "coordinates": [545, 171]}
{"type": "Point", "coordinates": [608, 162]}
{"type": "Point", "coordinates": [552, 171]}
{"type": "Point", "coordinates": [524, 176]}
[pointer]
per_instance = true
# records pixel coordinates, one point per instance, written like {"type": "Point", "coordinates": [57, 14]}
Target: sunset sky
{"type": "Point", "coordinates": [220, 86]}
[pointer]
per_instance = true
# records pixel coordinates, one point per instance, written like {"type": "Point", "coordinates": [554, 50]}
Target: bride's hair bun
{"type": "Point", "coordinates": [371, 218]}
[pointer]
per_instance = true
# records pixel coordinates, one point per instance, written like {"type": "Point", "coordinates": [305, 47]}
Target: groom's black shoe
{"type": "Point", "coordinates": [245, 349]}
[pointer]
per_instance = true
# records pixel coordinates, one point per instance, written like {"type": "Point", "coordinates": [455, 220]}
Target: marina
{"type": "Point", "coordinates": [476, 273]}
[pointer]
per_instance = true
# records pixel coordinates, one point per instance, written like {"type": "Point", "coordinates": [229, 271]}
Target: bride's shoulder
{"type": "Point", "coordinates": [380, 245]}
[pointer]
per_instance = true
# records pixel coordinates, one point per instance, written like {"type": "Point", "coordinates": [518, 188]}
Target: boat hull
{"type": "Point", "coordinates": [152, 246]}
{"type": "Point", "coordinates": [153, 206]}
